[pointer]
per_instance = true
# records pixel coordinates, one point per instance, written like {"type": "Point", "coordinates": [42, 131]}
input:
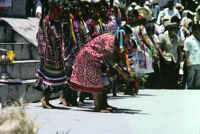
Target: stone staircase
{"type": "Point", "coordinates": [24, 67]}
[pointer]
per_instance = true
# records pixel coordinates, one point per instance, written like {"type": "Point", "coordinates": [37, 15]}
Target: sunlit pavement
{"type": "Point", "coordinates": [151, 112]}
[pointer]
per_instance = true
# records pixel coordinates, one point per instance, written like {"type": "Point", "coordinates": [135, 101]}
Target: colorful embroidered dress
{"type": "Point", "coordinates": [51, 74]}
{"type": "Point", "coordinates": [111, 26]}
{"type": "Point", "coordinates": [94, 27]}
{"type": "Point", "coordinates": [141, 59]}
{"type": "Point", "coordinates": [80, 31]}
{"type": "Point", "coordinates": [87, 71]}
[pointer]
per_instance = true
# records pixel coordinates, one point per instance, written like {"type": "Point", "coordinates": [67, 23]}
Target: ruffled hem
{"type": "Point", "coordinates": [42, 86]}
{"type": "Point", "coordinates": [75, 86]}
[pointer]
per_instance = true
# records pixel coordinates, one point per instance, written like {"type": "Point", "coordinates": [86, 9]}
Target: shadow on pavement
{"type": "Point", "coordinates": [61, 108]}
{"type": "Point", "coordinates": [119, 97]}
{"type": "Point", "coordinates": [128, 111]}
{"type": "Point", "coordinates": [118, 111]}
{"type": "Point", "coordinates": [145, 95]}
{"type": "Point", "coordinates": [56, 107]}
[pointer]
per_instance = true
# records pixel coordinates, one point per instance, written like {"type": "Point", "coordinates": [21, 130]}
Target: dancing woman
{"type": "Point", "coordinates": [51, 74]}
{"type": "Point", "coordinates": [87, 71]}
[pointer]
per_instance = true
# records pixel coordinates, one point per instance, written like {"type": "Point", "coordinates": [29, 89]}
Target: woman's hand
{"type": "Point", "coordinates": [132, 76]}
{"type": "Point", "coordinates": [127, 76]}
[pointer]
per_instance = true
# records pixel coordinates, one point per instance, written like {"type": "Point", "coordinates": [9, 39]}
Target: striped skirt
{"type": "Point", "coordinates": [52, 79]}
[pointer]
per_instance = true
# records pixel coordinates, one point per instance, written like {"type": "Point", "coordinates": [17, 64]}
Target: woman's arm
{"type": "Point", "coordinates": [147, 41]}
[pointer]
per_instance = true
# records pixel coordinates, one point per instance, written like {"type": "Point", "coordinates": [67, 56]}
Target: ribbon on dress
{"type": "Point", "coordinates": [72, 27]}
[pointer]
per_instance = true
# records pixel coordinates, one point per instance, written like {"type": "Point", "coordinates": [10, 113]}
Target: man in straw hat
{"type": "Point", "coordinates": [160, 29]}
{"type": "Point", "coordinates": [167, 47]}
{"type": "Point", "coordinates": [187, 14]}
{"type": "Point", "coordinates": [179, 7]}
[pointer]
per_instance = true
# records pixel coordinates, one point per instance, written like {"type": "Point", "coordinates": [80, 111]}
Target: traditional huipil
{"type": "Point", "coordinates": [51, 74]}
{"type": "Point", "coordinates": [95, 27]}
{"type": "Point", "coordinates": [87, 71]}
{"type": "Point", "coordinates": [78, 38]}
{"type": "Point", "coordinates": [111, 26]}
{"type": "Point", "coordinates": [125, 50]}
{"type": "Point", "coordinates": [140, 61]}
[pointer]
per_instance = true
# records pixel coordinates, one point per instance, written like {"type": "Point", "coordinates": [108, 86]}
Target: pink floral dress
{"type": "Point", "coordinates": [87, 72]}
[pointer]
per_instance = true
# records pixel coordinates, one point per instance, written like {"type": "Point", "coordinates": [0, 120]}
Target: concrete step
{"type": "Point", "coordinates": [5, 32]}
{"type": "Point", "coordinates": [23, 51]}
{"type": "Point", "coordinates": [10, 94]}
{"type": "Point", "coordinates": [20, 69]}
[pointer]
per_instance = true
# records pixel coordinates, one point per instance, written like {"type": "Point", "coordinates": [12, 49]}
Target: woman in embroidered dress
{"type": "Point", "coordinates": [51, 75]}
{"type": "Point", "coordinates": [108, 25]}
{"type": "Point", "coordinates": [87, 71]}
{"type": "Point", "coordinates": [95, 28]}
{"type": "Point", "coordinates": [140, 60]}
{"type": "Point", "coordinates": [94, 24]}
{"type": "Point", "coordinates": [78, 38]}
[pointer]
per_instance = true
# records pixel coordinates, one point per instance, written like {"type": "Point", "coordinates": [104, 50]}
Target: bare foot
{"type": "Point", "coordinates": [104, 111]}
{"type": "Point", "coordinates": [45, 104]}
{"type": "Point", "coordinates": [63, 100]}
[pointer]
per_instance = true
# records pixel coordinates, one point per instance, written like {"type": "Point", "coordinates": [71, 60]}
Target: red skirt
{"type": "Point", "coordinates": [87, 89]}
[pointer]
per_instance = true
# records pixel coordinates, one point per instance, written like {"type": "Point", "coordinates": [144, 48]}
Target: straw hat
{"type": "Point", "coordinates": [144, 12]}
{"type": "Point", "coordinates": [166, 23]}
{"type": "Point", "coordinates": [179, 5]}
{"type": "Point", "coordinates": [166, 18]}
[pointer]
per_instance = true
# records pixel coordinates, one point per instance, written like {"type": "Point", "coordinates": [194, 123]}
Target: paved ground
{"type": "Point", "coordinates": [151, 112]}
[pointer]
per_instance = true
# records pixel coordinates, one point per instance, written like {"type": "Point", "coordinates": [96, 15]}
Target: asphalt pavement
{"type": "Point", "coordinates": [150, 112]}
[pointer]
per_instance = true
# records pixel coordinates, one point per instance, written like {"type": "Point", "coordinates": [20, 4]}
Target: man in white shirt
{"type": "Point", "coordinates": [192, 53]}
{"type": "Point", "coordinates": [170, 11]}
